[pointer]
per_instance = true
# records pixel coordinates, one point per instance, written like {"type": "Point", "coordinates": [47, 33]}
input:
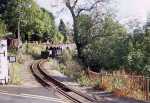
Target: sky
{"type": "Point", "coordinates": [126, 9]}
{"type": "Point", "coordinates": [133, 9]}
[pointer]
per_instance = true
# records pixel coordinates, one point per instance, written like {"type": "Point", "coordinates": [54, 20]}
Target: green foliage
{"type": "Point", "coordinates": [84, 35]}
{"type": "Point", "coordinates": [3, 6]}
{"type": "Point", "coordinates": [84, 80]}
{"type": "Point", "coordinates": [32, 18]}
{"type": "Point", "coordinates": [108, 46]}
{"type": "Point", "coordinates": [17, 11]}
{"type": "Point", "coordinates": [57, 38]}
{"type": "Point", "coordinates": [139, 52]}
{"type": "Point", "coordinates": [74, 70]}
{"type": "Point", "coordinates": [113, 28]}
{"type": "Point", "coordinates": [34, 49]}
{"type": "Point", "coordinates": [136, 59]}
{"type": "Point", "coordinates": [107, 53]}
{"type": "Point", "coordinates": [2, 28]}
{"type": "Point", "coordinates": [44, 23]}
{"type": "Point", "coordinates": [62, 29]}
{"type": "Point", "coordinates": [105, 49]}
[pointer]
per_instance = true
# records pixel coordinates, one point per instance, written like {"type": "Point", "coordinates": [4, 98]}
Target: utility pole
{"type": "Point", "coordinates": [18, 34]}
{"type": "Point", "coordinates": [20, 15]}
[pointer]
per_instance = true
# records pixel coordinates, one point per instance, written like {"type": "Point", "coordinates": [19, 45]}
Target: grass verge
{"type": "Point", "coordinates": [15, 74]}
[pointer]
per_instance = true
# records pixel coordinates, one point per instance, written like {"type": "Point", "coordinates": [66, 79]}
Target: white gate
{"type": "Point", "coordinates": [3, 62]}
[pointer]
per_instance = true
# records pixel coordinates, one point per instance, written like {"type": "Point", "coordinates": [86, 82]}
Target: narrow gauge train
{"type": "Point", "coordinates": [52, 51]}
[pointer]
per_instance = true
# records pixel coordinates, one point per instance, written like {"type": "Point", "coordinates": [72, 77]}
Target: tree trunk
{"type": "Point", "coordinates": [75, 27]}
{"type": "Point", "coordinates": [76, 31]}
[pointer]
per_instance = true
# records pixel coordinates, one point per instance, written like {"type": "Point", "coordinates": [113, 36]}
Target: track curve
{"type": "Point", "coordinates": [47, 81]}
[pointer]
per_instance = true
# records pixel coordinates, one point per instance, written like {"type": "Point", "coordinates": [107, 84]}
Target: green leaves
{"type": "Point", "coordinates": [32, 18]}
{"type": "Point", "coordinates": [84, 35]}
{"type": "Point", "coordinates": [108, 46]}
{"type": "Point", "coordinates": [138, 58]}
{"type": "Point", "coordinates": [57, 38]}
{"type": "Point", "coordinates": [103, 46]}
{"type": "Point", "coordinates": [2, 28]}
{"type": "Point", "coordinates": [62, 29]}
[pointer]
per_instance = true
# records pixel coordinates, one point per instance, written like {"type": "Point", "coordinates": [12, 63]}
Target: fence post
{"type": "Point", "coordinates": [147, 89]}
{"type": "Point", "coordinates": [102, 78]}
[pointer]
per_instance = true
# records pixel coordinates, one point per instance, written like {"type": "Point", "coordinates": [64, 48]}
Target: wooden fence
{"type": "Point", "coordinates": [134, 86]}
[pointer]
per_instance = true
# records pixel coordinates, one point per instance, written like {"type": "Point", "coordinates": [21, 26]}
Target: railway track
{"type": "Point", "coordinates": [46, 80]}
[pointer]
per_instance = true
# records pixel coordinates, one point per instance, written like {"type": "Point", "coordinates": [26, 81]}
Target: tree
{"type": "Point", "coordinates": [26, 18]}
{"type": "Point", "coordinates": [15, 16]}
{"type": "Point", "coordinates": [62, 29]}
{"type": "Point", "coordinates": [146, 47]}
{"type": "Point", "coordinates": [138, 59]}
{"type": "Point", "coordinates": [75, 12]}
{"type": "Point", "coordinates": [3, 6]}
{"type": "Point", "coordinates": [108, 48]}
{"type": "Point", "coordinates": [43, 23]}
{"type": "Point", "coordinates": [85, 30]}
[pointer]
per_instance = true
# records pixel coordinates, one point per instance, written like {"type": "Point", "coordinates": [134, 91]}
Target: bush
{"type": "Point", "coordinates": [71, 69]}
{"type": "Point", "coordinates": [108, 53]}
{"type": "Point", "coordinates": [67, 56]}
{"type": "Point", "coordinates": [34, 49]}
{"type": "Point", "coordinates": [136, 60]}
{"type": "Point", "coordinates": [85, 80]}
{"type": "Point", "coordinates": [57, 38]}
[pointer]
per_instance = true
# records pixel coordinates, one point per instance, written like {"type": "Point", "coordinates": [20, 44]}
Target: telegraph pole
{"type": "Point", "coordinates": [18, 33]}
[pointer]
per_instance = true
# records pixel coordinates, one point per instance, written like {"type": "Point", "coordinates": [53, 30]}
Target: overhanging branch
{"type": "Point", "coordinates": [88, 9]}
{"type": "Point", "coordinates": [70, 8]}
{"type": "Point", "coordinates": [75, 3]}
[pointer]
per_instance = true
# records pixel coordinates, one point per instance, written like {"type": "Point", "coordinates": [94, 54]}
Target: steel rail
{"type": "Point", "coordinates": [61, 85]}
{"type": "Point", "coordinates": [48, 81]}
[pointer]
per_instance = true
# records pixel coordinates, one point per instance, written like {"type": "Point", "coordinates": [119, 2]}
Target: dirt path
{"type": "Point", "coordinates": [28, 80]}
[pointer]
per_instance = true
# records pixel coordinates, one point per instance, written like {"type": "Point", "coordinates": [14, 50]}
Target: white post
{"type": "Point", "coordinates": [3, 62]}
